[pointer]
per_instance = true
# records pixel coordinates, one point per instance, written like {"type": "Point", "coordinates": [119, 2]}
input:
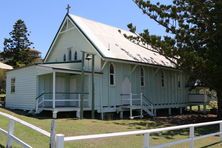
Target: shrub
{"type": "Point", "coordinates": [213, 104]}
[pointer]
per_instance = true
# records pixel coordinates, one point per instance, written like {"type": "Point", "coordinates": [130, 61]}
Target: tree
{"type": "Point", "coordinates": [194, 38]}
{"type": "Point", "coordinates": [17, 48]}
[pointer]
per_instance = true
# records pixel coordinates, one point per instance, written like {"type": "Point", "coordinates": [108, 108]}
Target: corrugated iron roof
{"type": "Point", "coordinates": [5, 66]}
{"type": "Point", "coordinates": [110, 41]}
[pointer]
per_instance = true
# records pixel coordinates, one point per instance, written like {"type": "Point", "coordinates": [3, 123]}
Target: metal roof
{"type": "Point", "coordinates": [65, 67]}
{"type": "Point", "coordinates": [111, 43]}
{"type": "Point", "coordinates": [5, 66]}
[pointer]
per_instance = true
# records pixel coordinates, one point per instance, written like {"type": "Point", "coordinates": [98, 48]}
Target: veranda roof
{"type": "Point", "coordinates": [5, 66]}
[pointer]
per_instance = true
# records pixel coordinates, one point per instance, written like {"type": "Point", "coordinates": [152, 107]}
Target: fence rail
{"type": "Point", "coordinates": [60, 139]}
{"type": "Point", "coordinates": [146, 133]}
{"type": "Point", "coordinates": [10, 132]}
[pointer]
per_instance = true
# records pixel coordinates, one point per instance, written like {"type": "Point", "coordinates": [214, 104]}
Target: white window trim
{"type": "Point", "coordinates": [114, 75]}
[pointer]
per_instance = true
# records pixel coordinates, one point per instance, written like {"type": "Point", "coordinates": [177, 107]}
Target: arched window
{"type": "Point", "coordinates": [162, 79]}
{"type": "Point", "coordinates": [142, 80]}
{"type": "Point", "coordinates": [75, 55]}
{"type": "Point", "coordinates": [70, 55]}
{"type": "Point", "coordinates": [64, 57]}
{"type": "Point", "coordinates": [111, 75]}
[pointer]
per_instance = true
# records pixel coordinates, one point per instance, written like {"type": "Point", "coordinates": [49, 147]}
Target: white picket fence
{"type": "Point", "coordinates": [59, 139]}
{"type": "Point", "coordinates": [11, 127]}
{"type": "Point", "coordinates": [146, 142]}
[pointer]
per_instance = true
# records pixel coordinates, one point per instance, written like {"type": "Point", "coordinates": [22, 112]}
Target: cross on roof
{"type": "Point", "coordinates": [67, 8]}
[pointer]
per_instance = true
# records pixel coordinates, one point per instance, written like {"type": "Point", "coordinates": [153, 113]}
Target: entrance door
{"type": "Point", "coordinates": [73, 90]}
{"type": "Point", "coordinates": [60, 84]}
{"type": "Point", "coordinates": [61, 91]}
{"type": "Point", "coordinates": [73, 85]}
{"type": "Point", "coordinates": [126, 90]}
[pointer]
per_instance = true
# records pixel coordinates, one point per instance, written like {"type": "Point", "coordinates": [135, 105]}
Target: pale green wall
{"type": "Point", "coordinates": [77, 42]}
{"type": "Point", "coordinates": [25, 88]}
{"type": "Point", "coordinates": [170, 93]}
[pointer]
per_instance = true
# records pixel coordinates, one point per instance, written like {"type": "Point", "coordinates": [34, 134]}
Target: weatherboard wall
{"type": "Point", "coordinates": [25, 88]}
{"type": "Point", "coordinates": [168, 94]}
{"type": "Point", "coordinates": [75, 41]}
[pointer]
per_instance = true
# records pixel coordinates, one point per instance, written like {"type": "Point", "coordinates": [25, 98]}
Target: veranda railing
{"type": "Point", "coordinates": [62, 99]}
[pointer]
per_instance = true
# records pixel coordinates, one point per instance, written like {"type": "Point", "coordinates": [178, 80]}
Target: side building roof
{"type": "Point", "coordinates": [5, 66]}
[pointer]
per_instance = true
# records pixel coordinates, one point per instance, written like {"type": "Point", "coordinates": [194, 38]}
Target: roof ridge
{"type": "Point", "coordinates": [101, 23]}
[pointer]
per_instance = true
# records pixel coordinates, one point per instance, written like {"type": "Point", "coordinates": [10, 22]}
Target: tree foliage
{"type": "Point", "coordinates": [16, 50]}
{"type": "Point", "coordinates": [194, 40]}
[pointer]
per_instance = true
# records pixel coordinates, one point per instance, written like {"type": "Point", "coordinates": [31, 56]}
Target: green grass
{"type": "Point", "coordinates": [72, 127]}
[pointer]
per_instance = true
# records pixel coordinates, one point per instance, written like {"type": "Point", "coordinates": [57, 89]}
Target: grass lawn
{"type": "Point", "coordinates": [72, 127]}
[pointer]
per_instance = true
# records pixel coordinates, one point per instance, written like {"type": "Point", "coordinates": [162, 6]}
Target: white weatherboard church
{"type": "Point", "coordinates": [127, 77]}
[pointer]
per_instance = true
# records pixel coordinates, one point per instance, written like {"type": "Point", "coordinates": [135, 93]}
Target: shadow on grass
{"type": "Point", "coordinates": [160, 122]}
{"type": "Point", "coordinates": [48, 114]}
{"type": "Point", "coordinates": [42, 115]}
{"type": "Point", "coordinates": [210, 145]}
{"type": "Point", "coordinates": [2, 146]}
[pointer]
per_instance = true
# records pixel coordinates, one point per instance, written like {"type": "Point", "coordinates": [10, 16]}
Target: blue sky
{"type": "Point", "coordinates": [43, 17]}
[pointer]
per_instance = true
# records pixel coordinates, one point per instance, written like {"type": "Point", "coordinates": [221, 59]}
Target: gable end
{"type": "Point", "coordinates": [79, 29]}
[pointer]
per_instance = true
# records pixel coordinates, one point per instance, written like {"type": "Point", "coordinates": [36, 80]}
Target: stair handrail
{"type": "Point", "coordinates": [147, 99]}
{"type": "Point", "coordinates": [37, 101]}
{"type": "Point", "coordinates": [148, 102]}
{"type": "Point", "coordinates": [40, 95]}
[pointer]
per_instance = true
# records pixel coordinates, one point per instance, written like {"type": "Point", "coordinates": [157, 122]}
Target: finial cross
{"type": "Point", "coordinates": [67, 8]}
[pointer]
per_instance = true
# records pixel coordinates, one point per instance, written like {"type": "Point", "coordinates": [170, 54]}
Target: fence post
{"type": "Point", "coordinates": [52, 134]}
{"type": "Point", "coordinates": [11, 126]}
{"type": "Point", "coordinates": [192, 137]}
{"type": "Point", "coordinates": [131, 105]}
{"type": "Point", "coordinates": [59, 141]}
{"type": "Point", "coordinates": [141, 104]}
{"type": "Point", "coordinates": [221, 131]}
{"type": "Point", "coordinates": [146, 143]}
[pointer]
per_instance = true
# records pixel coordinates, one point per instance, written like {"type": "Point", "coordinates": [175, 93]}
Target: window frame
{"type": "Point", "coordinates": [179, 81]}
{"type": "Point", "coordinates": [142, 77]}
{"type": "Point", "coordinates": [64, 58]}
{"type": "Point", "coordinates": [69, 54]}
{"type": "Point", "coordinates": [162, 79]}
{"type": "Point", "coordinates": [75, 56]}
{"type": "Point", "coordinates": [112, 74]}
{"type": "Point", "coordinates": [13, 80]}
